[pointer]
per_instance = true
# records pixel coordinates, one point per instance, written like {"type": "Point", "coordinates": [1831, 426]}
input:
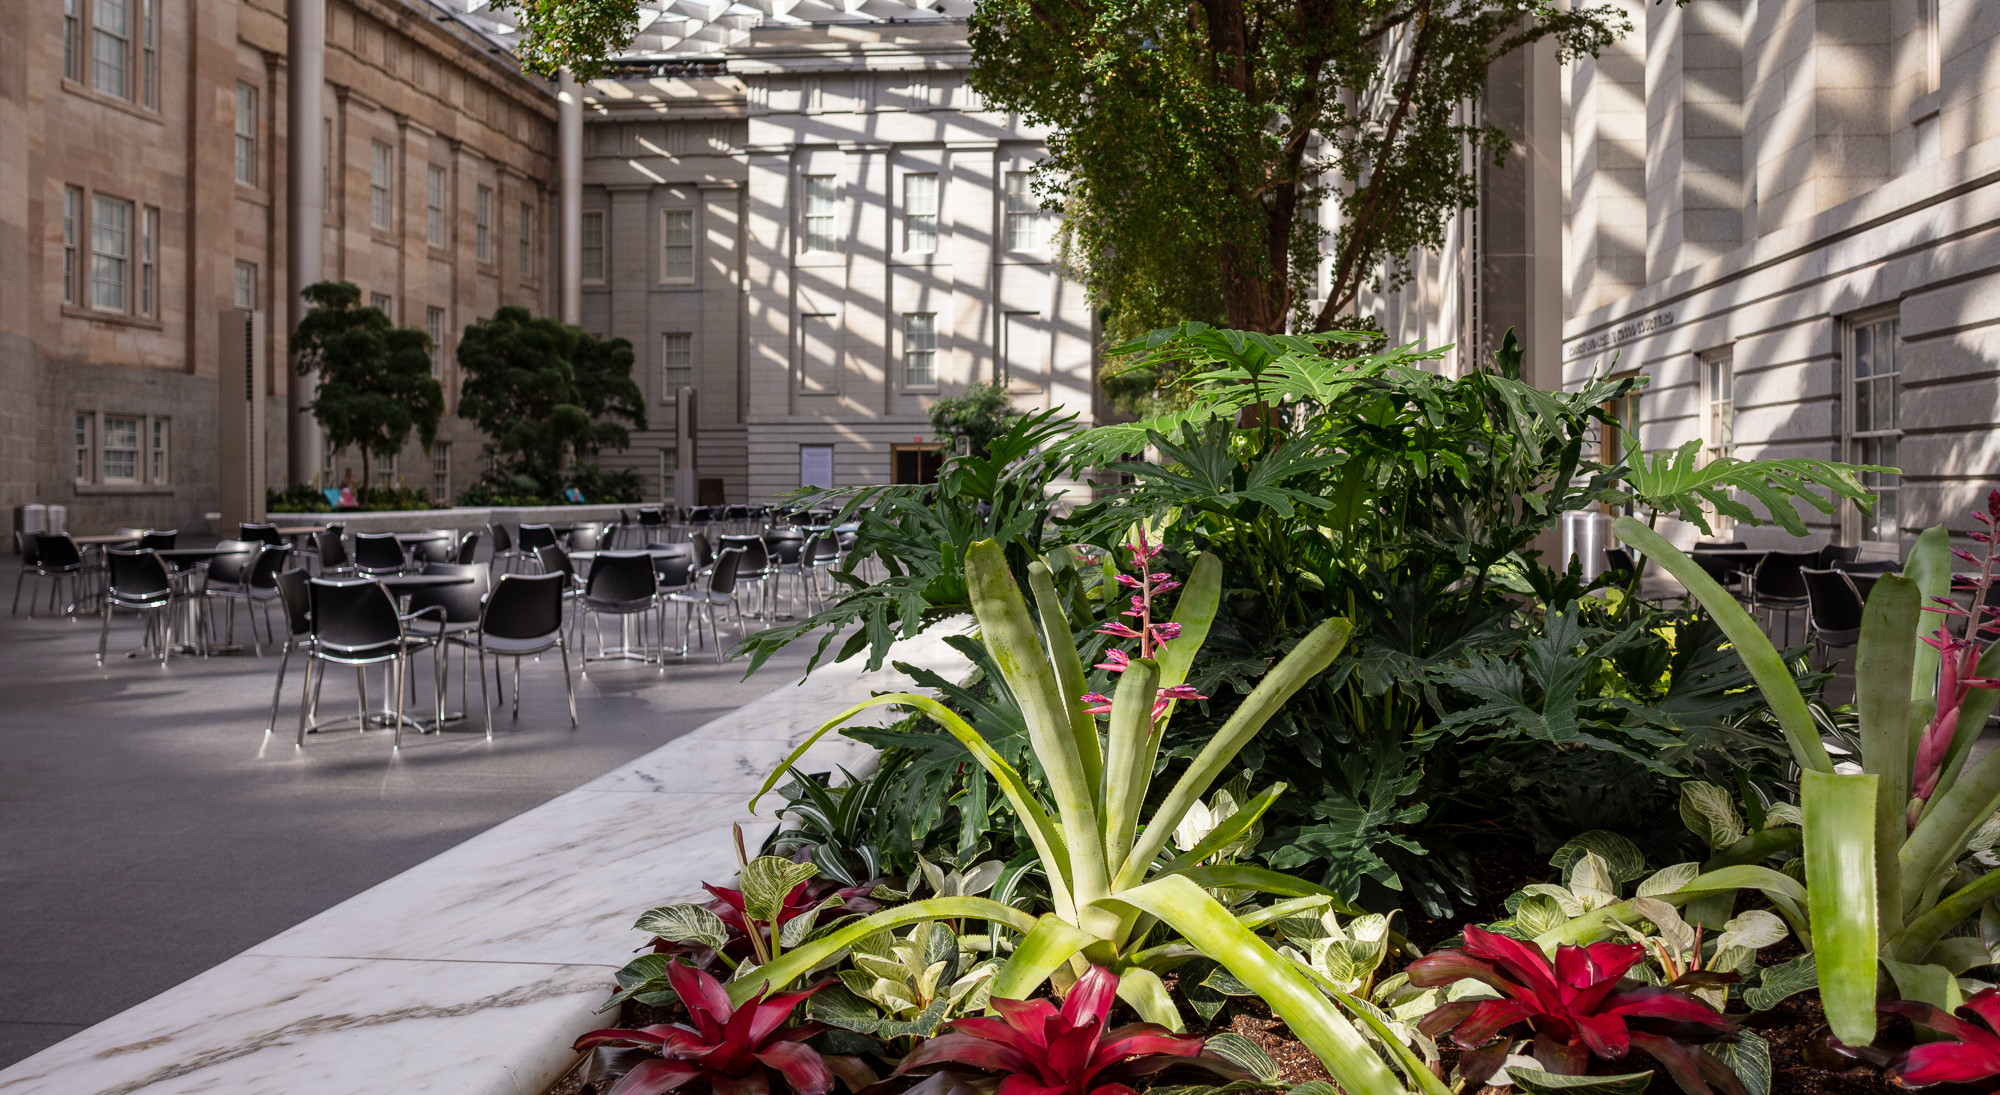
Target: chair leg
{"type": "Point", "coordinates": [361, 685]}
{"type": "Point", "coordinates": [396, 669]}
{"type": "Point", "coordinates": [569, 685]}
{"type": "Point", "coordinates": [715, 632]}
{"type": "Point", "coordinates": [307, 697]}
{"type": "Point", "coordinates": [16, 611]}
{"type": "Point", "coordinates": [517, 686]}
{"type": "Point", "coordinates": [486, 697]}
{"type": "Point", "coordinates": [284, 659]}
{"type": "Point", "coordinates": [104, 633]}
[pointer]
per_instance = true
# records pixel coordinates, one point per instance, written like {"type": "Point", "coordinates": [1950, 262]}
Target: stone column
{"type": "Point", "coordinates": [305, 213]}
{"type": "Point", "coordinates": [569, 189]}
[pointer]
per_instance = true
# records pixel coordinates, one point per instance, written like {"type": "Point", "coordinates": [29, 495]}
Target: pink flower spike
{"type": "Point", "coordinates": [1966, 555]}
{"type": "Point", "coordinates": [1980, 537]}
{"type": "Point", "coordinates": [1118, 630]}
{"type": "Point", "coordinates": [1128, 581]}
{"type": "Point", "coordinates": [1993, 502]}
{"type": "Point", "coordinates": [1162, 587]}
{"type": "Point", "coordinates": [1166, 632]}
{"type": "Point", "coordinates": [1162, 577]}
{"type": "Point", "coordinates": [1100, 704]}
{"type": "Point", "coordinates": [1979, 682]}
{"type": "Point", "coordinates": [1114, 660]}
{"type": "Point", "coordinates": [1181, 692]}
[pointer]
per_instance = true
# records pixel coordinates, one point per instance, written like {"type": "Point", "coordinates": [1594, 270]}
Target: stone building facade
{"type": "Point", "coordinates": [1786, 213]}
{"type": "Point", "coordinates": [142, 194]}
{"type": "Point", "coordinates": [822, 235]}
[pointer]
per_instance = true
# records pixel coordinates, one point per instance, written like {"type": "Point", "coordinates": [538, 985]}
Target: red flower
{"type": "Point", "coordinates": [1048, 1052]}
{"type": "Point", "coordinates": [731, 1050]}
{"type": "Point", "coordinates": [1578, 1007]}
{"type": "Point", "coordinates": [1974, 1057]}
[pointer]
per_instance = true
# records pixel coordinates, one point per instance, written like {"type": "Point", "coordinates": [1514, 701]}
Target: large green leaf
{"type": "Point", "coordinates": [1840, 876]}
{"type": "Point", "coordinates": [1749, 1056]}
{"type": "Point", "coordinates": [1783, 980]}
{"type": "Point", "coordinates": [1681, 483]}
{"type": "Point", "coordinates": [1883, 663]}
{"type": "Point", "coordinates": [685, 924]}
{"type": "Point", "coordinates": [766, 881]}
{"type": "Point", "coordinates": [796, 963]}
{"type": "Point", "coordinates": [1047, 946]}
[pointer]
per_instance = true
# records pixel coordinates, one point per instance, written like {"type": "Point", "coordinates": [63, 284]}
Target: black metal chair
{"type": "Point", "coordinates": [1720, 545]}
{"type": "Point", "coordinates": [532, 538]}
{"type": "Point", "coordinates": [756, 567]}
{"type": "Point", "coordinates": [468, 548]}
{"type": "Point", "coordinates": [227, 578]}
{"type": "Point", "coordinates": [56, 558]}
{"type": "Point", "coordinates": [1777, 586]}
{"type": "Point", "coordinates": [377, 554]}
{"type": "Point", "coordinates": [1831, 556]}
{"type": "Point", "coordinates": [591, 536]}
{"type": "Point", "coordinates": [785, 547]}
{"type": "Point", "coordinates": [1620, 561]}
{"type": "Point", "coordinates": [821, 554]}
{"type": "Point", "coordinates": [295, 594]}
{"type": "Point", "coordinates": [1833, 610]}
{"type": "Point", "coordinates": [330, 549]}
{"type": "Point", "coordinates": [720, 590]}
{"type": "Point", "coordinates": [622, 584]}
{"type": "Point", "coordinates": [260, 534]}
{"type": "Point", "coordinates": [704, 555]}
{"type": "Point", "coordinates": [139, 583]}
{"type": "Point", "coordinates": [674, 563]}
{"type": "Point", "coordinates": [505, 554]}
{"type": "Point", "coordinates": [650, 521]}
{"type": "Point", "coordinates": [523, 616]}
{"type": "Point", "coordinates": [27, 546]}
{"type": "Point", "coordinates": [356, 623]}
{"type": "Point", "coordinates": [435, 546]}
{"type": "Point", "coordinates": [461, 606]}
{"type": "Point", "coordinates": [159, 539]}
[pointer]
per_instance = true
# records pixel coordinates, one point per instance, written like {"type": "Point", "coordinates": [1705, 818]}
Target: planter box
{"type": "Point", "coordinates": [462, 518]}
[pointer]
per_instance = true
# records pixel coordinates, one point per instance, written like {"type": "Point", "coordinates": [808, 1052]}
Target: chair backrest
{"type": "Point", "coordinates": [756, 559]}
{"type": "Point", "coordinates": [159, 539]}
{"type": "Point", "coordinates": [737, 513]}
{"type": "Point", "coordinates": [534, 537]}
{"type": "Point", "coordinates": [57, 551]}
{"type": "Point", "coordinates": [675, 571]}
{"type": "Point", "coordinates": [651, 518]}
{"type": "Point", "coordinates": [555, 560]}
{"type": "Point", "coordinates": [130, 532]}
{"type": "Point", "coordinates": [723, 578]}
{"type": "Point", "coordinates": [784, 544]}
{"type": "Point", "coordinates": [1778, 574]}
{"type": "Point", "coordinates": [435, 547]}
{"type": "Point", "coordinates": [295, 593]}
{"type": "Point", "coordinates": [704, 556]}
{"type": "Point", "coordinates": [353, 615]}
{"type": "Point", "coordinates": [502, 542]}
{"type": "Point", "coordinates": [1832, 600]}
{"type": "Point", "coordinates": [137, 576]}
{"type": "Point", "coordinates": [590, 536]}
{"type": "Point", "coordinates": [468, 547]}
{"type": "Point", "coordinates": [461, 603]}
{"type": "Point", "coordinates": [262, 534]}
{"type": "Point", "coordinates": [1620, 559]}
{"type": "Point", "coordinates": [378, 551]}
{"type": "Point", "coordinates": [270, 560]}
{"type": "Point", "coordinates": [524, 606]}
{"type": "Point", "coordinates": [28, 546]}
{"type": "Point", "coordinates": [332, 547]}
{"type": "Point", "coordinates": [1831, 555]}
{"type": "Point", "coordinates": [232, 561]}
{"type": "Point", "coordinates": [621, 577]}
{"type": "Point", "coordinates": [822, 550]}
{"type": "Point", "coordinates": [1720, 545]}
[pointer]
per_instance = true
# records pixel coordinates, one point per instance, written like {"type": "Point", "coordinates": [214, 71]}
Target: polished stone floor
{"type": "Point", "coordinates": [150, 829]}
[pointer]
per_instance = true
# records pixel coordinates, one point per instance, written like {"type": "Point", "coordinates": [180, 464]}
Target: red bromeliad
{"type": "Point", "coordinates": [1152, 636]}
{"type": "Point", "coordinates": [1958, 656]}
{"type": "Point", "coordinates": [1044, 1051]}
{"type": "Point", "coordinates": [1974, 1055]}
{"type": "Point", "coordinates": [1578, 1007]}
{"type": "Point", "coordinates": [732, 1050]}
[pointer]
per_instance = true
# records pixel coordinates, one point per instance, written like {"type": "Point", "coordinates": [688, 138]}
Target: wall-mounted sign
{"type": "Point", "coordinates": [1624, 332]}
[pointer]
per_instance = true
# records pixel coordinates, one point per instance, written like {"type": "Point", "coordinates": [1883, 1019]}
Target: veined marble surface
{"type": "Point", "coordinates": [473, 971]}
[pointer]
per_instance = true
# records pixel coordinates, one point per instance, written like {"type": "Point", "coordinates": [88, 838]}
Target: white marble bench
{"type": "Point", "coordinates": [472, 972]}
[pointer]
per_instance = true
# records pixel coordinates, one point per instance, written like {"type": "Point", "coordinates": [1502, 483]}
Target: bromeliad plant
{"type": "Point", "coordinates": [1886, 847]}
{"type": "Point", "coordinates": [1110, 889]}
{"type": "Point", "coordinates": [1970, 1052]}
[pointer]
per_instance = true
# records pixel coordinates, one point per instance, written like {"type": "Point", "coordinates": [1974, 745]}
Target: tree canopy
{"type": "Point", "coordinates": [541, 390]}
{"type": "Point", "coordinates": [983, 413]}
{"type": "Point", "coordinates": [1190, 144]}
{"type": "Point", "coordinates": [375, 383]}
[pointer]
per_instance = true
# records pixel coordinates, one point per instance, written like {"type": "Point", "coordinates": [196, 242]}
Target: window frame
{"type": "Point", "coordinates": [815, 240]}
{"type": "Point", "coordinates": [1717, 378]}
{"type": "Point", "coordinates": [149, 261]}
{"type": "Point", "coordinates": [381, 185]}
{"type": "Point", "coordinates": [137, 54]}
{"type": "Point", "coordinates": [124, 38]}
{"type": "Point", "coordinates": [72, 232]}
{"type": "Point", "coordinates": [927, 350]}
{"type": "Point", "coordinates": [672, 252]}
{"type": "Point", "coordinates": [482, 216]}
{"type": "Point", "coordinates": [1029, 214]}
{"type": "Point", "coordinates": [245, 133]}
{"type": "Point", "coordinates": [149, 54]}
{"type": "Point", "coordinates": [159, 443]}
{"type": "Point", "coordinates": [384, 303]}
{"type": "Point", "coordinates": [527, 241]}
{"type": "Point", "coordinates": [436, 323]}
{"type": "Point", "coordinates": [73, 52]}
{"type": "Point", "coordinates": [98, 203]}
{"type": "Point", "coordinates": [1855, 441]}
{"type": "Point", "coordinates": [440, 471]}
{"type": "Point", "coordinates": [137, 449]}
{"type": "Point", "coordinates": [669, 389]}
{"type": "Point", "coordinates": [245, 287]}
{"type": "Point", "coordinates": [913, 219]}
{"type": "Point", "coordinates": [85, 439]}
{"type": "Point", "coordinates": [437, 191]}
{"type": "Point", "coordinates": [592, 225]}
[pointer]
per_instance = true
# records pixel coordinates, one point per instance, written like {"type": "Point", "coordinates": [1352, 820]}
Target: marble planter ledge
{"type": "Point", "coordinates": [472, 972]}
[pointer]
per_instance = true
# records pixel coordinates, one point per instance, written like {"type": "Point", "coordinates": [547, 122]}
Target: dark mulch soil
{"type": "Point", "coordinates": [1499, 867]}
{"type": "Point", "coordinates": [1802, 1063]}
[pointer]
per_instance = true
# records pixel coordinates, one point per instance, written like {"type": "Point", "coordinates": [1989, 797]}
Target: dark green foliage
{"type": "Point", "coordinates": [542, 391]}
{"type": "Point", "coordinates": [1190, 144]}
{"type": "Point", "coordinates": [374, 379]}
{"type": "Point", "coordinates": [980, 415]}
{"type": "Point", "coordinates": [580, 35]}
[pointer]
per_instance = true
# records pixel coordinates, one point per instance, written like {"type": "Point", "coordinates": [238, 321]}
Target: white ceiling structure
{"type": "Point", "coordinates": [678, 29]}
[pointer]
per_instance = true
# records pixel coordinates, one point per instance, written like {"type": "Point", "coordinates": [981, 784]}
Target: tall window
{"type": "Point", "coordinates": [382, 302]}
{"type": "Point", "coordinates": [385, 471]}
{"type": "Point", "coordinates": [149, 53]}
{"type": "Point", "coordinates": [819, 213]}
{"type": "Point", "coordinates": [110, 253]}
{"type": "Point", "coordinates": [119, 459]}
{"type": "Point", "coordinates": [593, 245]}
{"type": "Point", "coordinates": [527, 240]}
{"type": "Point", "coordinates": [149, 260]}
{"type": "Point", "coordinates": [1875, 373]}
{"type": "Point", "coordinates": [246, 285]}
{"type": "Point", "coordinates": [1024, 214]}
{"type": "Point", "coordinates": [381, 179]}
{"type": "Point", "coordinates": [1718, 384]}
{"type": "Point", "coordinates": [676, 364]}
{"type": "Point", "coordinates": [434, 327]}
{"type": "Point", "coordinates": [434, 182]}
{"type": "Point", "coordinates": [920, 207]}
{"type": "Point", "coordinates": [441, 471]}
{"type": "Point", "coordinates": [246, 134]}
{"type": "Point", "coordinates": [919, 350]}
{"type": "Point", "coordinates": [72, 49]}
{"type": "Point", "coordinates": [676, 245]}
{"type": "Point", "coordinates": [110, 43]}
{"type": "Point", "coordinates": [482, 210]}
{"type": "Point", "coordinates": [72, 208]}
{"type": "Point", "coordinates": [84, 448]}
{"type": "Point", "coordinates": [156, 452]}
